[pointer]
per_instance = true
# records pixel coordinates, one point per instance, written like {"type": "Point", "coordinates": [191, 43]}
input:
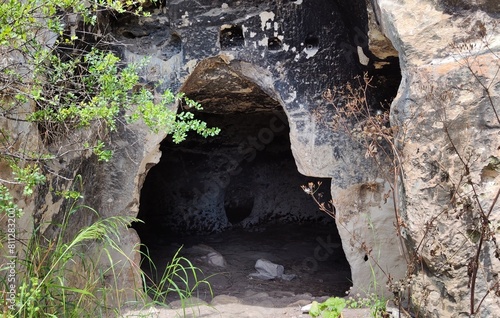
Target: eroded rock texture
{"type": "Point", "coordinates": [245, 176]}
{"type": "Point", "coordinates": [447, 110]}
{"type": "Point", "coordinates": [259, 61]}
{"type": "Point", "coordinates": [234, 57]}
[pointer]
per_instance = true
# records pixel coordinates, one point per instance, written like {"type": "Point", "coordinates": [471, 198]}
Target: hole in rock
{"type": "Point", "coordinates": [129, 35]}
{"type": "Point", "coordinates": [311, 42]}
{"type": "Point", "coordinates": [231, 36]}
{"type": "Point", "coordinates": [274, 44]}
{"type": "Point", "coordinates": [171, 47]}
{"type": "Point", "coordinates": [234, 199]}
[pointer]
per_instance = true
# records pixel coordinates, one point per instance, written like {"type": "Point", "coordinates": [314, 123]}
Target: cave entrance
{"type": "Point", "coordinates": [233, 199]}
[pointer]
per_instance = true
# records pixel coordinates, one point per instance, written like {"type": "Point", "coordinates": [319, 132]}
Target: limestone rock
{"type": "Point", "coordinates": [215, 259]}
{"type": "Point", "coordinates": [284, 54]}
{"type": "Point", "coordinates": [448, 138]}
{"type": "Point", "coordinates": [188, 302]}
{"type": "Point", "coordinates": [251, 57]}
{"type": "Point", "coordinates": [224, 299]}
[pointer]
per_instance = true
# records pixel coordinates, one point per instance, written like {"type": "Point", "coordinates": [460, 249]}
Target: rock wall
{"type": "Point", "coordinates": [219, 52]}
{"type": "Point", "coordinates": [227, 54]}
{"type": "Point", "coordinates": [447, 113]}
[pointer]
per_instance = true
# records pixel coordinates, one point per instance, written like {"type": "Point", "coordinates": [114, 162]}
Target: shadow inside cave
{"type": "Point", "coordinates": [243, 202]}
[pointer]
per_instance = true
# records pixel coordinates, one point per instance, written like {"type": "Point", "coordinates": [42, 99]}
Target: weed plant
{"type": "Point", "coordinates": [57, 278]}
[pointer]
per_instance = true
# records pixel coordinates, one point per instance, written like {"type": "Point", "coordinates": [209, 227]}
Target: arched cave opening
{"type": "Point", "coordinates": [238, 195]}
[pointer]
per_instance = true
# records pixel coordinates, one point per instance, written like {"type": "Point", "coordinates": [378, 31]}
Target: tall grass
{"type": "Point", "coordinates": [55, 277]}
{"type": "Point", "coordinates": [180, 278]}
{"type": "Point", "coordinates": [67, 276]}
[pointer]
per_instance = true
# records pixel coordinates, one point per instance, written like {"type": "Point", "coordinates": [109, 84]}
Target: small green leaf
{"type": "Point", "coordinates": [335, 302]}
{"type": "Point", "coordinates": [314, 311]}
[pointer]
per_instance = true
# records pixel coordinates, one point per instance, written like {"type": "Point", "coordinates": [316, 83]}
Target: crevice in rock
{"type": "Point", "coordinates": [311, 42]}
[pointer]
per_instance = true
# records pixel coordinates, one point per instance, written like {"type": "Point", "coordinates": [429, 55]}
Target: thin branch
{"type": "Point", "coordinates": [496, 285]}
{"type": "Point", "coordinates": [10, 182]}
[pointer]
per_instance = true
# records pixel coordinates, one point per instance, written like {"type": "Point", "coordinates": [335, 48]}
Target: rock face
{"type": "Point", "coordinates": [255, 65]}
{"type": "Point", "coordinates": [244, 61]}
{"type": "Point", "coordinates": [447, 110]}
{"type": "Point", "coordinates": [446, 115]}
{"type": "Point", "coordinates": [252, 57]}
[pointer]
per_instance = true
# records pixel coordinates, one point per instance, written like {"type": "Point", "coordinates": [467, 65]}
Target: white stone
{"type": "Point", "coordinates": [266, 16]}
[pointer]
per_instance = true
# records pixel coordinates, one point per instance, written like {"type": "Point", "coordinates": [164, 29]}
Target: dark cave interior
{"type": "Point", "coordinates": [239, 194]}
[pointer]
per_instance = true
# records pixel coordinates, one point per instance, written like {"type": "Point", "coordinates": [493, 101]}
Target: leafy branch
{"type": "Point", "coordinates": [75, 91]}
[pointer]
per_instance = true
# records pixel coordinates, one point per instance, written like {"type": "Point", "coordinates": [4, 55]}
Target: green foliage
{"type": "Point", "coordinates": [372, 300]}
{"type": "Point", "coordinates": [157, 117]}
{"type": "Point", "coordinates": [7, 205]}
{"type": "Point", "coordinates": [19, 20]}
{"type": "Point", "coordinates": [330, 308]}
{"type": "Point", "coordinates": [30, 176]}
{"type": "Point", "coordinates": [180, 277]}
{"type": "Point", "coordinates": [378, 308]}
{"type": "Point", "coordinates": [101, 153]}
{"type": "Point", "coordinates": [57, 278]}
{"type": "Point", "coordinates": [48, 268]}
{"type": "Point", "coordinates": [77, 88]}
{"type": "Point", "coordinates": [79, 96]}
{"type": "Point", "coordinates": [376, 304]}
{"type": "Point", "coordinates": [109, 92]}
{"type": "Point", "coordinates": [103, 90]}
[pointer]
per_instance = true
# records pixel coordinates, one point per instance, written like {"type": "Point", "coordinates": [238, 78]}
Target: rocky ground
{"type": "Point", "coordinates": [312, 253]}
{"type": "Point", "coordinates": [227, 307]}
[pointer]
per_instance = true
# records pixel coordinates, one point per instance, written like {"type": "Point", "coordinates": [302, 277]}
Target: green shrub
{"type": "Point", "coordinates": [75, 93]}
{"type": "Point", "coordinates": [330, 308]}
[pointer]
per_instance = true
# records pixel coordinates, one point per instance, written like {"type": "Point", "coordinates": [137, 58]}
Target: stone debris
{"type": "Point", "coordinates": [188, 302]}
{"type": "Point", "coordinates": [305, 309]}
{"type": "Point", "coordinates": [209, 255]}
{"type": "Point", "coordinates": [215, 259]}
{"type": "Point", "coordinates": [225, 299]}
{"type": "Point", "coordinates": [267, 270]}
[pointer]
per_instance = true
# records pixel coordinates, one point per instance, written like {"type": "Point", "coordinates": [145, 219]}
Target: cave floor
{"type": "Point", "coordinates": [312, 252]}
